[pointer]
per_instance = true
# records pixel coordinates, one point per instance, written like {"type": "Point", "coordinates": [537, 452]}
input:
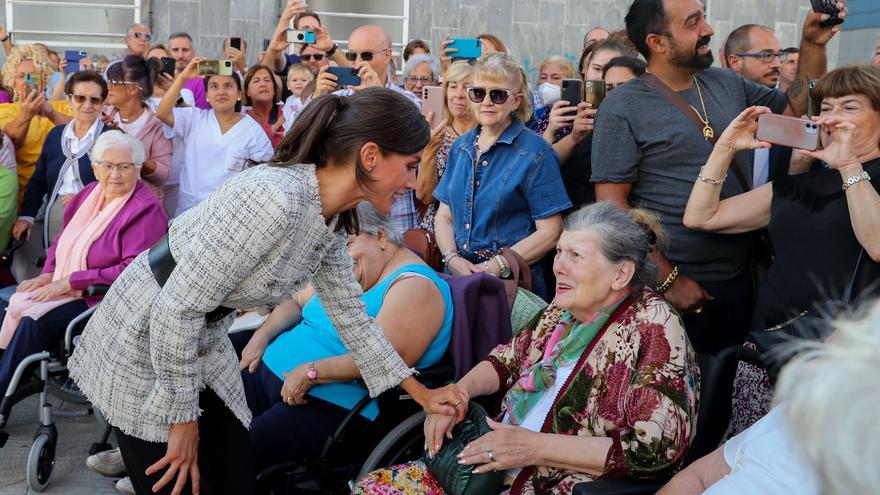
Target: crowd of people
{"type": "Point", "coordinates": [656, 224]}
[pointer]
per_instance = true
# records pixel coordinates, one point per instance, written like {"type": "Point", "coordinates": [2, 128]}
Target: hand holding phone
{"type": "Point", "coordinates": [345, 76]}
{"type": "Point", "coordinates": [572, 92]}
{"type": "Point", "coordinates": [215, 68]}
{"type": "Point", "coordinates": [827, 7]}
{"type": "Point", "coordinates": [788, 131]}
{"type": "Point", "coordinates": [300, 36]}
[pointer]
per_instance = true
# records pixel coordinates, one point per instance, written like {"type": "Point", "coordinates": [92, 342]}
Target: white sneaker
{"type": "Point", "coordinates": [124, 486]}
{"type": "Point", "coordinates": [107, 463]}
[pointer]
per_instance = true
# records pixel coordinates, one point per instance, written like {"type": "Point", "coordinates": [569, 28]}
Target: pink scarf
{"type": "Point", "coordinates": [88, 223]}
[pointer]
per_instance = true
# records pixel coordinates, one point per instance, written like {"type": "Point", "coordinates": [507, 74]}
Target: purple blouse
{"type": "Point", "coordinates": [139, 224]}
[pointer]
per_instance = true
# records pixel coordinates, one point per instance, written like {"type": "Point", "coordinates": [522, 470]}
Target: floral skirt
{"type": "Point", "coordinates": [405, 479]}
{"type": "Point", "coordinates": [752, 396]}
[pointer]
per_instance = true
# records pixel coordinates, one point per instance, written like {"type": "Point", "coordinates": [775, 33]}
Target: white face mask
{"type": "Point", "coordinates": [550, 94]}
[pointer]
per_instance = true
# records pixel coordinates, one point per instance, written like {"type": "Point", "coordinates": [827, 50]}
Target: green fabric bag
{"type": "Point", "coordinates": [458, 479]}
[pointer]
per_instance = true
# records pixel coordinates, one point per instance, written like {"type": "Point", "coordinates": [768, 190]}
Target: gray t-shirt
{"type": "Point", "coordinates": [643, 139]}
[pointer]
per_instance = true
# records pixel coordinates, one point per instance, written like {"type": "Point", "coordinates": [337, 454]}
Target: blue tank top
{"type": "Point", "coordinates": [315, 338]}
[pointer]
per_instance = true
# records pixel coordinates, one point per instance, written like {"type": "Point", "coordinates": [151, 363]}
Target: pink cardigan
{"type": "Point", "coordinates": [140, 223]}
{"type": "Point", "coordinates": [159, 149]}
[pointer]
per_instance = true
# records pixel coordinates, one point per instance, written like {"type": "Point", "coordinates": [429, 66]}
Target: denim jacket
{"type": "Point", "coordinates": [496, 202]}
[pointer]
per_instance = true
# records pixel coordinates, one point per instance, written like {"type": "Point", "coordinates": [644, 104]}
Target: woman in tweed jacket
{"type": "Point", "coordinates": [161, 375]}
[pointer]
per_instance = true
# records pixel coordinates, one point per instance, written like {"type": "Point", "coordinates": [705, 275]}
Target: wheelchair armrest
{"type": "Point", "coordinates": [97, 290]}
{"type": "Point", "coordinates": [618, 486]}
{"type": "Point", "coordinates": [68, 334]}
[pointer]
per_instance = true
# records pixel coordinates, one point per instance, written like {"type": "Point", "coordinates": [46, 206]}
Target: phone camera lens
{"type": "Point", "coordinates": [300, 36]}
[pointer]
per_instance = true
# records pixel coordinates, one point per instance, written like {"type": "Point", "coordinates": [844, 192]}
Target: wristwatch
{"type": "Point", "coordinates": [312, 372]}
{"type": "Point", "coordinates": [332, 50]}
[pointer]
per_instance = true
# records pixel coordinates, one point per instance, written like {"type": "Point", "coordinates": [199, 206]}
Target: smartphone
{"type": "Point", "coordinates": [73, 57]}
{"type": "Point", "coordinates": [300, 36]}
{"type": "Point", "coordinates": [168, 65]}
{"type": "Point", "coordinates": [827, 7]}
{"type": "Point", "coordinates": [266, 42]}
{"type": "Point", "coordinates": [810, 86]}
{"type": "Point", "coordinates": [467, 48]}
{"type": "Point", "coordinates": [235, 42]}
{"type": "Point", "coordinates": [572, 92]}
{"type": "Point", "coordinates": [33, 81]}
{"type": "Point", "coordinates": [215, 68]}
{"type": "Point", "coordinates": [432, 101]}
{"type": "Point", "coordinates": [345, 76]}
{"type": "Point", "coordinates": [788, 131]}
{"type": "Point", "coordinates": [594, 92]}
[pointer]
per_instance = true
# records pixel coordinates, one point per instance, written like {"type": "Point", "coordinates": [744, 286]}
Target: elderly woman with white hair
{"type": "Point", "coordinates": [420, 71]}
{"type": "Point", "coordinates": [105, 226]}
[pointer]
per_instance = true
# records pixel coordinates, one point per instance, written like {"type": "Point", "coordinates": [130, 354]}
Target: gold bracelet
{"type": "Point", "coordinates": [668, 282]}
{"type": "Point", "coordinates": [707, 180]}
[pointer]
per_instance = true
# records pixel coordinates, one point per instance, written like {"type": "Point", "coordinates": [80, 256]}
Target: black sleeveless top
{"type": "Point", "coordinates": [816, 248]}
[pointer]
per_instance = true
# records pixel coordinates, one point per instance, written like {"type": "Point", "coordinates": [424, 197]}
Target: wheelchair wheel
{"type": "Point", "coordinates": [404, 443]}
{"type": "Point", "coordinates": [63, 388]}
{"type": "Point", "coordinates": [41, 460]}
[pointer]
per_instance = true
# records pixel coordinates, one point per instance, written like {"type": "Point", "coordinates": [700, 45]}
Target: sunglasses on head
{"type": "Point", "coordinates": [497, 96]}
{"type": "Point", "coordinates": [95, 100]}
{"type": "Point", "coordinates": [366, 56]}
{"type": "Point", "coordinates": [143, 36]}
{"type": "Point", "coordinates": [309, 56]}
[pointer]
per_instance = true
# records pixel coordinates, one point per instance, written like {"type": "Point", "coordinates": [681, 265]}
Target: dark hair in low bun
{"type": "Point", "coordinates": [136, 69]}
{"type": "Point", "coordinates": [335, 128]}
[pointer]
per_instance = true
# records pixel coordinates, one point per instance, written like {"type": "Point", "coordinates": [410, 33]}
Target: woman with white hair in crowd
{"type": "Point", "coordinates": [420, 71]}
{"type": "Point", "coordinates": [808, 444]}
{"type": "Point", "coordinates": [106, 224]}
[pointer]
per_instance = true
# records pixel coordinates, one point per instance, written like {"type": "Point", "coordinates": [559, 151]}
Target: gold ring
{"type": "Point", "coordinates": [458, 403]}
{"type": "Point", "coordinates": [698, 311]}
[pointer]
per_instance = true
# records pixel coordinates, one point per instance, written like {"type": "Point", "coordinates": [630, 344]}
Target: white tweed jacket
{"type": "Point", "coordinates": [147, 351]}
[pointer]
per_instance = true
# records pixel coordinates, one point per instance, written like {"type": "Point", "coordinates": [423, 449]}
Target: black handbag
{"type": "Point", "coordinates": [773, 344]}
{"type": "Point", "coordinates": [162, 263]}
{"type": "Point", "coordinates": [458, 479]}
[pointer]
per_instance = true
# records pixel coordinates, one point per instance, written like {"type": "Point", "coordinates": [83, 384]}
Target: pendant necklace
{"type": "Point", "coordinates": [708, 132]}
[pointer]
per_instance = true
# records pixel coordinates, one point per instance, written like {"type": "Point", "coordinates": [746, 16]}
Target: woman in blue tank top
{"type": "Point", "coordinates": [298, 377]}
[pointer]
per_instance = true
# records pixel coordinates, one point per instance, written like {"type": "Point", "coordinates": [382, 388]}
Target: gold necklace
{"type": "Point", "coordinates": [708, 132]}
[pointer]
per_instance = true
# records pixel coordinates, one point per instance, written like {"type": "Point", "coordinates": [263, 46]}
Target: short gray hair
{"type": "Point", "coordinates": [115, 140]}
{"type": "Point", "coordinates": [623, 236]}
{"type": "Point", "coordinates": [136, 25]}
{"type": "Point", "coordinates": [372, 222]}
{"type": "Point", "coordinates": [813, 386]}
{"type": "Point", "coordinates": [422, 58]}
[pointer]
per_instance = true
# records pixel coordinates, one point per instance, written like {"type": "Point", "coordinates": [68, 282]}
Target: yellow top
{"type": "Point", "coordinates": [26, 155]}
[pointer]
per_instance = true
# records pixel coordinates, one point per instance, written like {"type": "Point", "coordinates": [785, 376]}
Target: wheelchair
{"type": "Point", "coordinates": [335, 468]}
{"type": "Point", "coordinates": [50, 378]}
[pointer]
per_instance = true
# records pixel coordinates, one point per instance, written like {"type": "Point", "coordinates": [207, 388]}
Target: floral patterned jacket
{"type": "Point", "coordinates": [637, 382]}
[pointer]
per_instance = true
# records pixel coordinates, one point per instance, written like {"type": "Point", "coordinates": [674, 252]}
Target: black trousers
{"type": "Point", "coordinates": [727, 319]}
{"type": "Point", "coordinates": [224, 457]}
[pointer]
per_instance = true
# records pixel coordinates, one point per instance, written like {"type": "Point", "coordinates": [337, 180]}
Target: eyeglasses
{"type": "Point", "coordinates": [94, 100]}
{"type": "Point", "coordinates": [766, 56]}
{"type": "Point", "coordinates": [497, 96]}
{"type": "Point", "coordinates": [143, 36]}
{"type": "Point", "coordinates": [419, 79]}
{"type": "Point", "coordinates": [317, 57]}
{"type": "Point", "coordinates": [366, 56]}
{"type": "Point", "coordinates": [121, 167]}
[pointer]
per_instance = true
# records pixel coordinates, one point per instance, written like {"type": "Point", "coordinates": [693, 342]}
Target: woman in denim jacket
{"type": "Point", "coordinates": [502, 186]}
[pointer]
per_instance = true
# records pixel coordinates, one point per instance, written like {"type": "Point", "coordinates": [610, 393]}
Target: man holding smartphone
{"type": "Point", "coordinates": [651, 159]}
{"type": "Point", "coordinates": [297, 12]}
